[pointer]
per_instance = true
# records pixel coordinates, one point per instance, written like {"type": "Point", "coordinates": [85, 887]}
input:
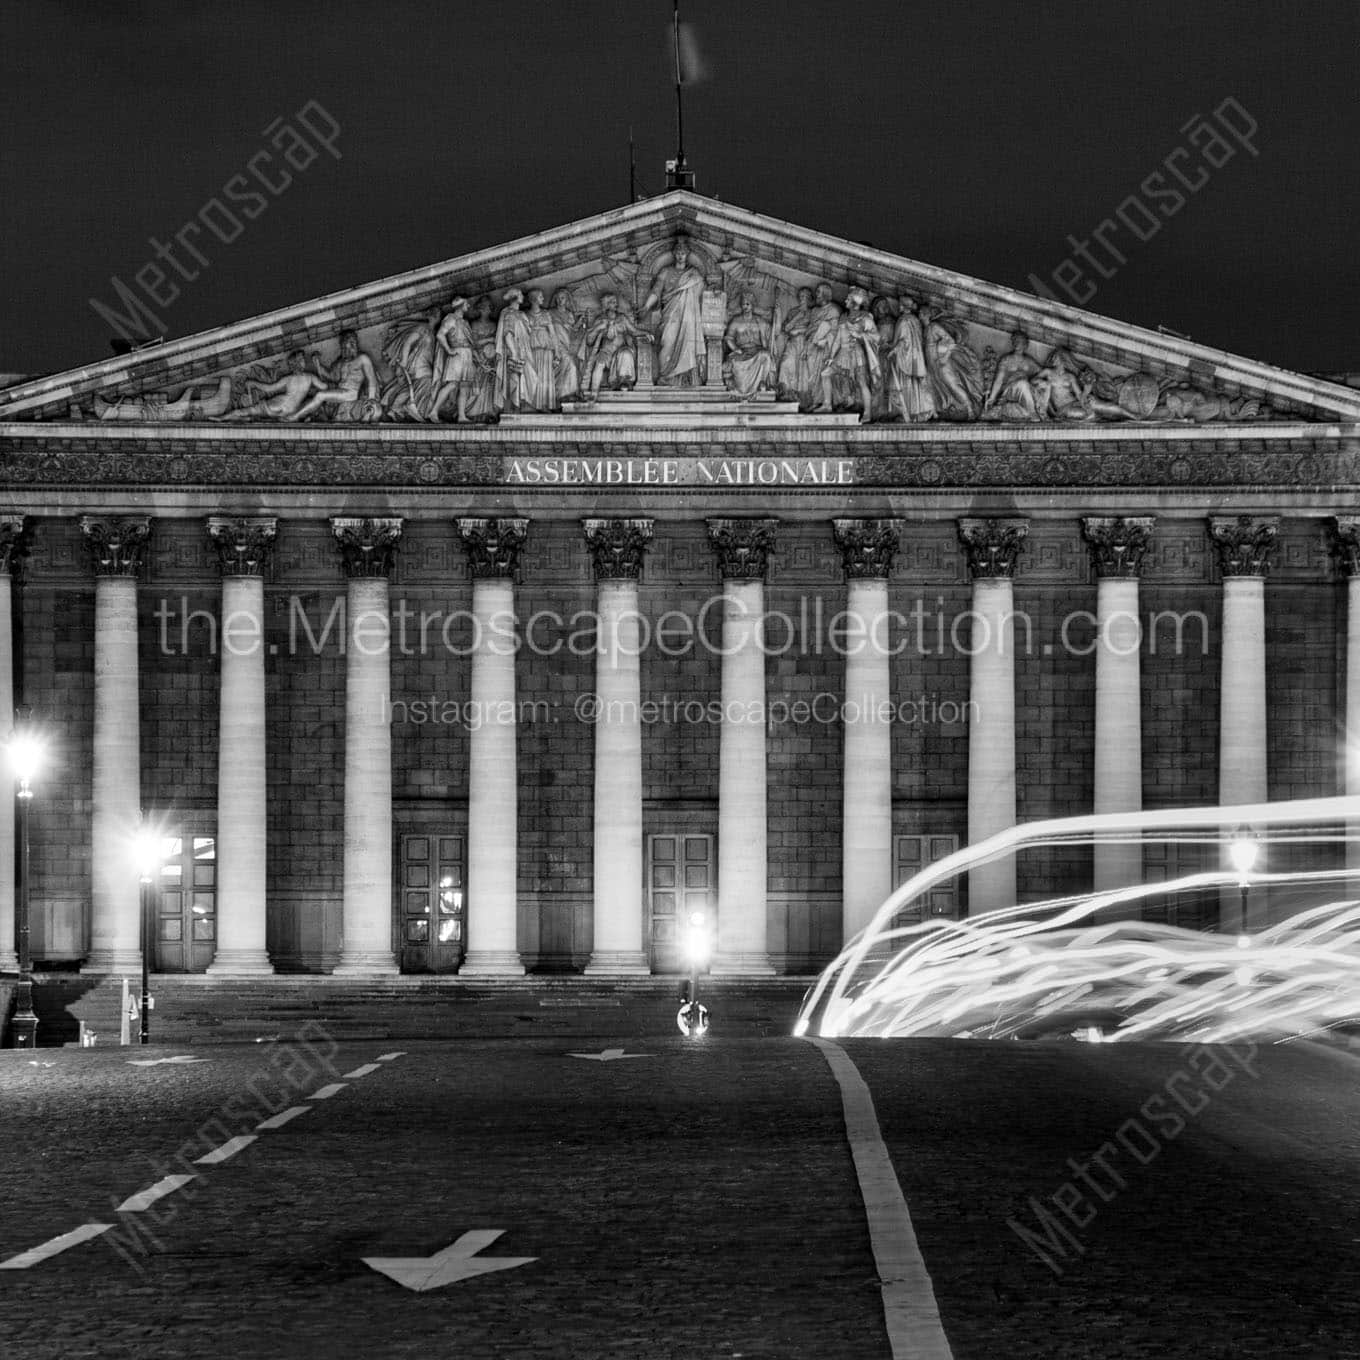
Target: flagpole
{"type": "Point", "coordinates": [679, 99]}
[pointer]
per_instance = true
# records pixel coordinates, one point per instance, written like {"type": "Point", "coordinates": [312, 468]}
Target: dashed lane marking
{"type": "Point", "coordinates": [363, 1071]}
{"type": "Point", "coordinates": [228, 1149]}
{"type": "Point", "coordinates": [279, 1120]}
{"type": "Point", "coordinates": [326, 1092]}
{"type": "Point", "coordinates": [74, 1238]}
{"type": "Point", "coordinates": [388, 1057]}
{"type": "Point", "coordinates": [915, 1331]}
{"type": "Point", "coordinates": [144, 1199]}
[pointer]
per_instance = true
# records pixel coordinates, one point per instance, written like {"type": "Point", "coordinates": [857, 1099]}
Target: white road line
{"type": "Point", "coordinates": [228, 1149]}
{"type": "Point", "coordinates": [387, 1057]}
{"type": "Point", "coordinates": [58, 1244]}
{"type": "Point", "coordinates": [144, 1199]}
{"type": "Point", "coordinates": [326, 1092]}
{"type": "Point", "coordinates": [279, 1120]}
{"type": "Point", "coordinates": [364, 1070]}
{"type": "Point", "coordinates": [909, 1309]}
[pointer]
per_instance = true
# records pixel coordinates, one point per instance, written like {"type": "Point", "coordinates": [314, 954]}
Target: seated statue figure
{"type": "Point", "coordinates": [611, 349]}
{"type": "Point", "coordinates": [747, 343]}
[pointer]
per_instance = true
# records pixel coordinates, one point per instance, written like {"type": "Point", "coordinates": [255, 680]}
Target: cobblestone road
{"type": "Point", "coordinates": [696, 1204]}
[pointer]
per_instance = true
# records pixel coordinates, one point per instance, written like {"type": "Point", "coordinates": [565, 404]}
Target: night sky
{"type": "Point", "coordinates": [975, 137]}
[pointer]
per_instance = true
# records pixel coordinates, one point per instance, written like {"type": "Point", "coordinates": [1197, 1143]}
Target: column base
{"type": "Point", "coordinates": [492, 963]}
{"type": "Point", "coordinates": [124, 961]}
{"type": "Point", "coordinates": [741, 965]}
{"type": "Point", "coordinates": [241, 963]}
{"type": "Point", "coordinates": [366, 963]}
{"type": "Point", "coordinates": [617, 963]}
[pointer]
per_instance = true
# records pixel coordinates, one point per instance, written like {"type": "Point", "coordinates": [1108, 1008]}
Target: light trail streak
{"type": "Point", "coordinates": [1064, 967]}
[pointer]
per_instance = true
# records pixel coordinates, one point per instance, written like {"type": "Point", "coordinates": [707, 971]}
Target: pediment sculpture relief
{"type": "Point", "coordinates": [665, 316]}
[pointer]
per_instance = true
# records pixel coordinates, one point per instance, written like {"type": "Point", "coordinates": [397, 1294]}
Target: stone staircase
{"type": "Point", "coordinates": [197, 1009]}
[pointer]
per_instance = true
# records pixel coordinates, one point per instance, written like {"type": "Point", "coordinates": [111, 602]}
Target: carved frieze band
{"type": "Point", "coordinates": [13, 544]}
{"type": "Point", "coordinates": [992, 545]}
{"type": "Point", "coordinates": [1345, 536]}
{"type": "Point", "coordinates": [868, 547]}
{"type": "Point", "coordinates": [493, 545]}
{"type": "Point", "coordinates": [368, 547]}
{"type": "Point", "coordinates": [1243, 543]}
{"type": "Point", "coordinates": [116, 545]}
{"type": "Point", "coordinates": [743, 547]}
{"type": "Point", "coordinates": [243, 546]}
{"type": "Point", "coordinates": [617, 547]}
{"type": "Point", "coordinates": [1118, 544]}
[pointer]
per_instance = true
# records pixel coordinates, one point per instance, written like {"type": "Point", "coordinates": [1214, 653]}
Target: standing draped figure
{"type": "Point", "coordinates": [911, 393]}
{"type": "Point", "coordinates": [679, 290]}
{"type": "Point", "coordinates": [792, 379]}
{"type": "Point", "coordinates": [514, 354]}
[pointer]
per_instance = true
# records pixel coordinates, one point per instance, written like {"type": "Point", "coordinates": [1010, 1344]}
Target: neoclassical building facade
{"type": "Point", "coordinates": [494, 617]}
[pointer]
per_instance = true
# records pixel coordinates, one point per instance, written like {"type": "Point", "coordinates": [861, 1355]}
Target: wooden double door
{"type": "Point", "coordinates": [432, 902]}
{"type": "Point", "coordinates": [682, 877]}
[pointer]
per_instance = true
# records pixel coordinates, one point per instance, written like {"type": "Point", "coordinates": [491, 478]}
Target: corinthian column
{"type": "Point", "coordinates": [1346, 544]}
{"type": "Point", "coordinates": [743, 547]}
{"type": "Point", "coordinates": [116, 547]}
{"type": "Point", "coordinates": [617, 547]}
{"type": "Point", "coordinates": [13, 545]}
{"type": "Point", "coordinates": [868, 547]}
{"type": "Point", "coordinates": [1243, 544]}
{"type": "Point", "coordinates": [992, 545]}
{"type": "Point", "coordinates": [493, 547]}
{"type": "Point", "coordinates": [368, 549]}
{"type": "Point", "coordinates": [243, 548]}
{"type": "Point", "coordinates": [1117, 550]}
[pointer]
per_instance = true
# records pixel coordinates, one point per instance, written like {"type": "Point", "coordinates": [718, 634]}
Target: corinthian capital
{"type": "Point", "coordinates": [1244, 542]}
{"type": "Point", "coordinates": [243, 545]}
{"type": "Point", "coordinates": [13, 544]}
{"type": "Point", "coordinates": [617, 547]}
{"type": "Point", "coordinates": [115, 545]}
{"type": "Point", "coordinates": [867, 546]}
{"type": "Point", "coordinates": [1118, 545]}
{"type": "Point", "coordinates": [493, 545]}
{"type": "Point", "coordinates": [1346, 543]}
{"type": "Point", "coordinates": [743, 547]}
{"type": "Point", "coordinates": [992, 545]}
{"type": "Point", "coordinates": [368, 547]}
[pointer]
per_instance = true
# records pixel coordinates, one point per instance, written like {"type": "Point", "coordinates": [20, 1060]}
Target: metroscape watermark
{"type": "Point", "coordinates": [290, 1069]}
{"type": "Point", "coordinates": [159, 286]}
{"type": "Point", "coordinates": [812, 628]}
{"type": "Point", "coordinates": [1144, 212]}
{"type": "Point", "coordinates": [1078, 1200]}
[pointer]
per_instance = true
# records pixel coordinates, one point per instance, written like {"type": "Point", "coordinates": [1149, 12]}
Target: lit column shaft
{"type": "Point", "coordinates": [1117, 549]}
{"type": "Point", "coordinates": [242, 794]}
{"type": "Point", "coordinates": [867, 550]}
{"type": "Point", "coordinates": [617, 548]}
{"type": "Point", "coordinates": [368, 549]}
{"type": "Point", "coordinates": [493, 806]}
{"type": "Point", "coordinates": [11, 548]}
{"type": "Point", "coordinates": [1346, 543]}
{"type": "Point", "coordinates": [742, 950]}
{"type": "Point", "coordinates": [1243, 545]}
{"type": "Point", "coordinates": [115, 891]}
{"type": "Point", "coordinates": [993, 546]}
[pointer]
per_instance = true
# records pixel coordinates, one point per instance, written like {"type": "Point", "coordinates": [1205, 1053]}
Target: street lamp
{"type": "Point", "coordinates": [147, 849]}
{"type": "Point", "coordinates": [693, 1017]}
{"type": "Point", "coordinates": [26, 753]}
{"type": "Point", "coordinates": [1243, 850]}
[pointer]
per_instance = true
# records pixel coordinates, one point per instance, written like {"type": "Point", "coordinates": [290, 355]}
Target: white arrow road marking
{"type": "Point", "coordinates": [387, 1057]}
{"type": "Point", "coordinates": [58, 1244]}
{"type": "Point", "coordinates": [144, 1199]}
{"type": "Point", "coordinates": [326, 1092]}
{"type": "Point", "coordinates": [279, 1120]}
{"type": "Point", "coordinates": [608, 1055]}
{"type": "Point", "coordinates": [915, 1331]}
{"type": "Point", "coordinates": [458, 1261]}
{"type": "Point", "coordinates": [156, 1062]}
{"type": "Point", "coordinates": [363, 1071]}
{"type": "Point", "coordinates": [228, 1149]}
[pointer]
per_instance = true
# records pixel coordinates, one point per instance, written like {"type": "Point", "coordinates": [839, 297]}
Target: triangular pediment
{"type": "Point", "coordinates": [958, 363]}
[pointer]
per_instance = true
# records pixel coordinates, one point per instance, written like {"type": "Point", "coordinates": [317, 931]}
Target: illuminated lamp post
{"type": "Point", "coordinates": [693, 1017]}
{"type": "Point", "coordinates": [25, 757]}
{"type": "Point", "coordinates": [1243, 850]}
{"type": "Point", "coordinates": [147, 849]}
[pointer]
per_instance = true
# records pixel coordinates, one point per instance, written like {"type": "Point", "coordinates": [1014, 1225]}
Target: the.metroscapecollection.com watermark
{"type": "Point", "coordinates": [813, 628]}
